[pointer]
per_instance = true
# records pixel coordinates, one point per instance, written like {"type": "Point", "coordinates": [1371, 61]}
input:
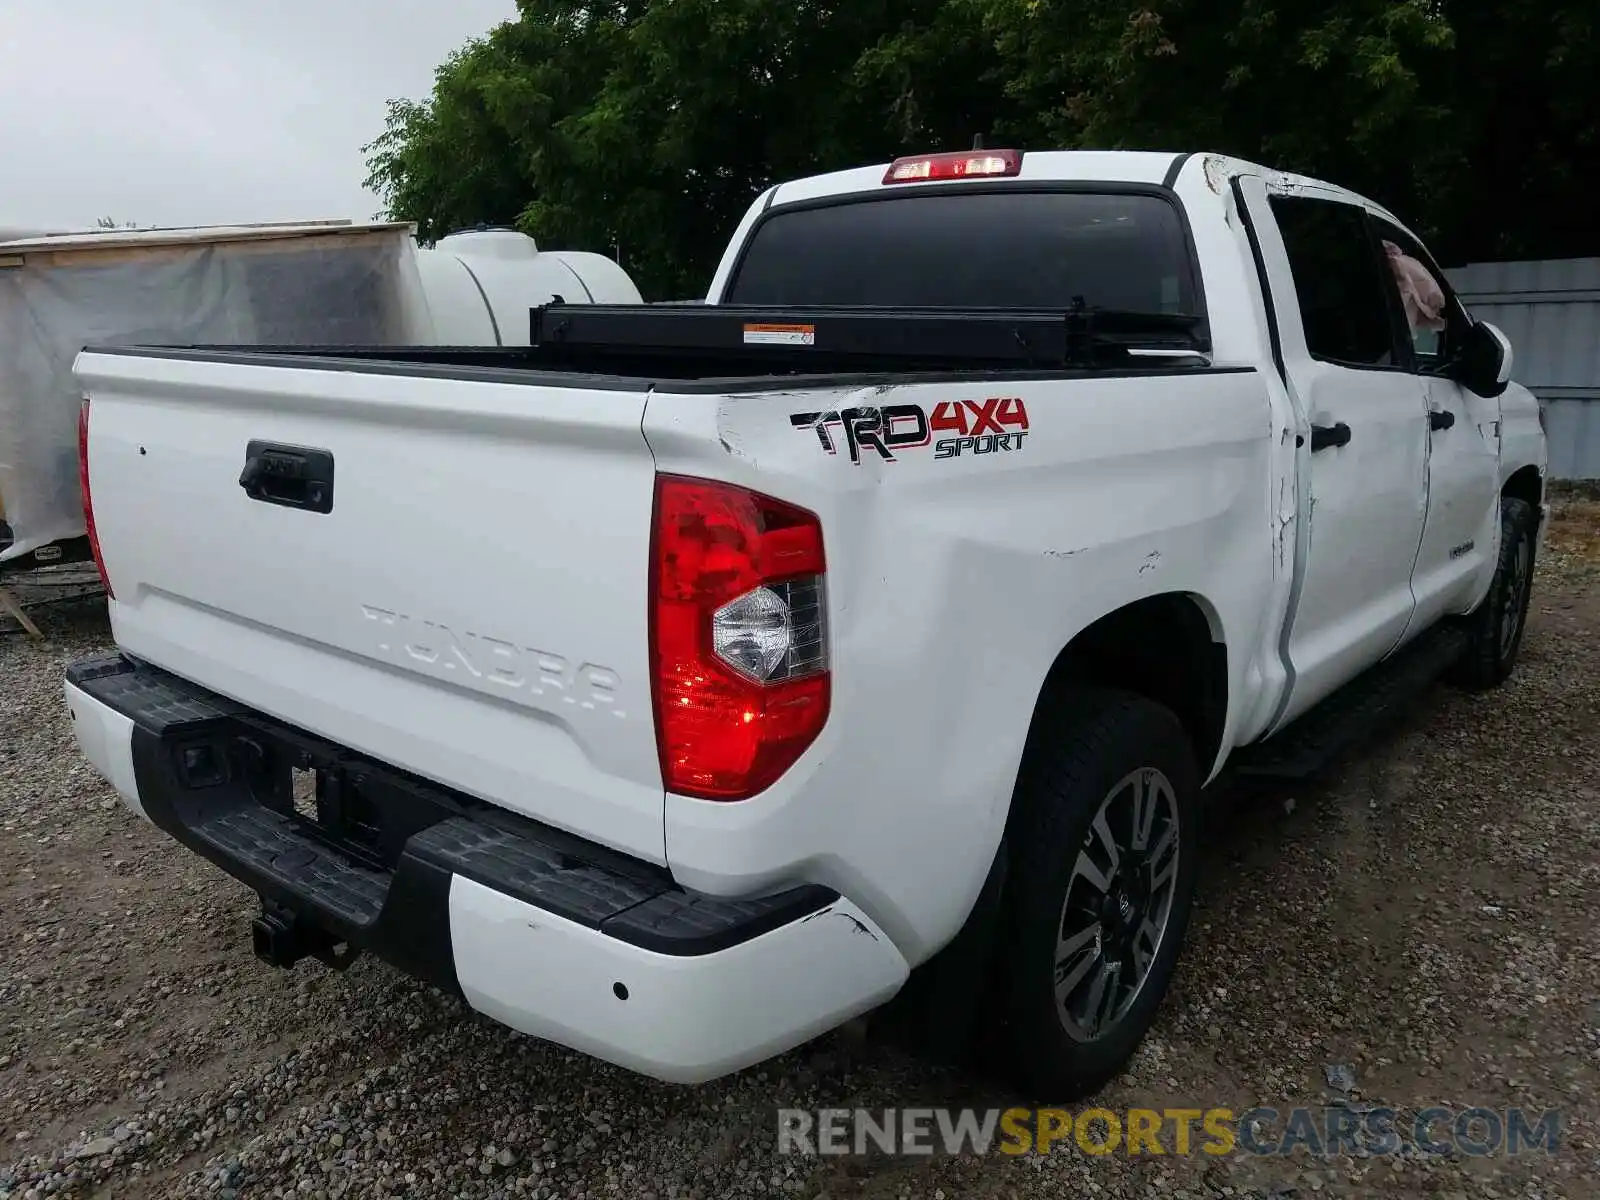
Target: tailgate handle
{"type": "Point", "coordinates": [293, 476]}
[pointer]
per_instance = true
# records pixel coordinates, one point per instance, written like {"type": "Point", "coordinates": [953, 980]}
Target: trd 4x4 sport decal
{"type": "Point", "coordinates": [996, 425]}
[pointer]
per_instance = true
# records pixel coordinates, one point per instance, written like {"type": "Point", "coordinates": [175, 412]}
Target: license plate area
{"type": "Point", "coordinates": [326, 800]}
{"type": "Point", "coordinates": [363, 809]}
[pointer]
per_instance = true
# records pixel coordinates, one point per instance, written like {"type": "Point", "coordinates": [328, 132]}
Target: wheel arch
{"type": "Point", "coordinates": [1526, 484]}
{"type": "Point", "coordinates": [1169, 648]}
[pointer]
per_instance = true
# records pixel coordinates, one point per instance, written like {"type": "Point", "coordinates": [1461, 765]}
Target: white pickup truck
{"type": "Point", "coordinates": [695, 679]}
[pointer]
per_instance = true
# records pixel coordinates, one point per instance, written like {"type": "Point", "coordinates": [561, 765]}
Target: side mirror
{"type": "Point", "coordinates": [1484, 364]}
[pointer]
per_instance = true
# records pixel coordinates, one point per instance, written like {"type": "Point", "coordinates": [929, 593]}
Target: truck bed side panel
{"type": "Point", "coordinates": [955, 577]}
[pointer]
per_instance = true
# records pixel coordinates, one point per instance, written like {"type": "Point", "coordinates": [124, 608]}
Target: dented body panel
{"type": "Point", "coordinates": [954, 582]}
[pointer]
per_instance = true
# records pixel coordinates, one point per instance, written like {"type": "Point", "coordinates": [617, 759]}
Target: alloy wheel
{"type": "Point", "coordinates": [1118, 904]}
{"type": "Point", "coordinates": [1516, 596]}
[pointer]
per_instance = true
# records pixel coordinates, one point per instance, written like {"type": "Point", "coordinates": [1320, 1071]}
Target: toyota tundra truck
{"type": "Point", "coordinates": [865, 639]}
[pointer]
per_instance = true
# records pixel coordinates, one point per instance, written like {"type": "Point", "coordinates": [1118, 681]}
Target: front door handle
{"type": "Point", "coordinates": [293, 476]}
{"type": "Point", "coordinates": [1441, 418]}
{"type": "Point", "coordinates": [1324, 436]}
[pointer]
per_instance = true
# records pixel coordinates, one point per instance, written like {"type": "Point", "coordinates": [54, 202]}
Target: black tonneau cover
{"type": "Point", "coordinates": [809, 337]}
{"type": "Point", "coordinates": [635, 345]}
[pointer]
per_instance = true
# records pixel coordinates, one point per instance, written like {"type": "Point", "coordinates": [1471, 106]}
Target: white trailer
{"type": "Point", "coordinates": [306, 284]}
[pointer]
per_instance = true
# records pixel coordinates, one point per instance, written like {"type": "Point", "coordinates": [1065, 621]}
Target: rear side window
{"type": "Point", "coordinates": [1011, 249]}
{"type": "Point", "coordinates": [1338, 280]}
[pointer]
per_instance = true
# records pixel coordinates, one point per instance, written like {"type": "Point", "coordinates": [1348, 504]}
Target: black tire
{"type": "Point", "coordinates": [1081, 749]}
{"type": "Point", "coordinates": [1495, 627]}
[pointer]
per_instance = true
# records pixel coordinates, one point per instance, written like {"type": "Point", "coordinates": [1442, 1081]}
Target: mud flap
{"type": "Point", "coordinates": [936, 1015]}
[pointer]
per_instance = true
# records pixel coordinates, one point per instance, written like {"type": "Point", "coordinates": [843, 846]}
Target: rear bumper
{"type": "Point", "coordinates": [553, 936]}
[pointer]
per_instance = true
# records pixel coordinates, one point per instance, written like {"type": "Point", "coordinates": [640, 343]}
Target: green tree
{"type": "Point", "coordinates": [653, 126]}
{"type": "Point", "coordinates": [1476, 123]}
{"type": "Point", "coordinates": [646, 129]}
{"type": "Point", "coordinates": [1525, 112]}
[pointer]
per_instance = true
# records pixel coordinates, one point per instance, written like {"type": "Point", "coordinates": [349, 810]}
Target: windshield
{"type": "Point", "coordinates": [999, 249]}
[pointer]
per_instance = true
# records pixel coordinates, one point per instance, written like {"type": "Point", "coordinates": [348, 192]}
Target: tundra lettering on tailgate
{"type": "Point", "coordinates": [997, 424]}
{"type": "Point", "coordinates": [491, 663]}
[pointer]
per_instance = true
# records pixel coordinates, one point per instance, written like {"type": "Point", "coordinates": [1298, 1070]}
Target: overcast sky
{"type": "Point", "coordinates": [173, 112]}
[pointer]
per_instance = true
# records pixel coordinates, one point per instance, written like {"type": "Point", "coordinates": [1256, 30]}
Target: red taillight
{"type": "Point", "coordinates": [88, 503]}
{"type": "Point", "coordinates": [966, 164]}
{"type": "Point", "coordinates": [738, 633]}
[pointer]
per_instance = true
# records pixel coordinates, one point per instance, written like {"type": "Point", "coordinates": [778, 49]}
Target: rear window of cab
{"type": "Point", "coordinates": [961, 249]}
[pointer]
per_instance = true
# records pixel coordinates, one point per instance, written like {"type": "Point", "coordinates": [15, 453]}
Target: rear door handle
{"type": "Point", "coordinates": [291, 476]}
{"type": "Point", "coordinates": [1441, 418]}
{"type": "Point", "coordinates": [1324, 436]}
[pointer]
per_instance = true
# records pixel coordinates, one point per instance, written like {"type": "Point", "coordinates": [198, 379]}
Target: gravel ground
{"type": "Point", "coordinates": [1425, 916]}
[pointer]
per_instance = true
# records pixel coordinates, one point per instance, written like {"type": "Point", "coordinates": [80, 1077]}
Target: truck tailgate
{"type": "Point", "coordinates": [471, 608]}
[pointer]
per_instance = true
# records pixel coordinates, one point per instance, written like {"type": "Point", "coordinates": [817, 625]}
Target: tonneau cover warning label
{"type": "Point", "coordinates": [780, 335]}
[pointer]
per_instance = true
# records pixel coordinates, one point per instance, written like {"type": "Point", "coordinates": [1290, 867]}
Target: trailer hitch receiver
{"type": "Point", "coordinates": [282, 938]}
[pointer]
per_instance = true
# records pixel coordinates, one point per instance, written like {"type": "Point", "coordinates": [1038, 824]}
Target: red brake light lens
{"type": "Point", "coordinates": [967, 164]}
{"type": "Point", "coordinates": [738, 630]}
{"type": "Point", "coordinates": [88, 503]}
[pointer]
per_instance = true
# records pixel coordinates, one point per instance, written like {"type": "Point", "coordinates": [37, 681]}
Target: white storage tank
{"type": "Point", "coordinates": [481, 283]}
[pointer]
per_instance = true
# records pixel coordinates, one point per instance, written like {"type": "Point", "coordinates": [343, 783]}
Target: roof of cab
{"type": "Point", "coordinates": [1116, 166]}
{"type": "Point", "coordinates": [1085, 166]}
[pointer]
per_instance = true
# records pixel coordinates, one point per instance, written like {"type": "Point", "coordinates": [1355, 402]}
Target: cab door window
{"type": "Point", "coordinates": [1339, 284]}
{"type": "Point", "coordinates": [1434, 318]}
